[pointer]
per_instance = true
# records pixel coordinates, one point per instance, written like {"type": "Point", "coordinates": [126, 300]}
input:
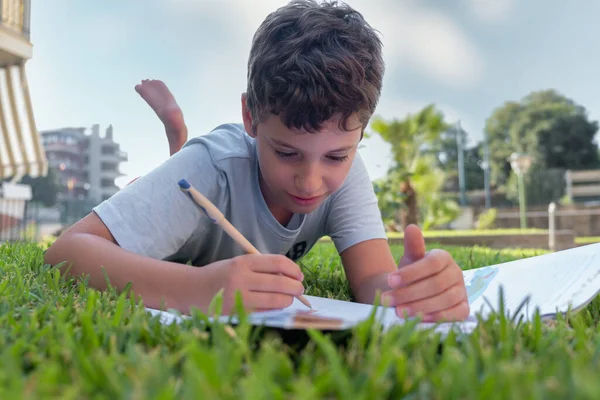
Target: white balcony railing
{"type": "Point", "coordinates": [15, 15]}
{"type": "Point", "coordinates": [116, 157]}
{"type": "Point", "coordinates": [110, 174]}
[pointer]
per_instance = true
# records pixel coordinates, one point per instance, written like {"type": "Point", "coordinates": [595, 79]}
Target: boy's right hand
{"type": "Point", "coordinates": [266, 281]}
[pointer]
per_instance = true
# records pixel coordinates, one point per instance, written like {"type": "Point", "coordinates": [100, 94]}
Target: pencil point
{"type": "Point", "coordinates": [304, 301]}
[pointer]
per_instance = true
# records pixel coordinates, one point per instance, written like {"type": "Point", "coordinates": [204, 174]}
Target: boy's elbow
{"type": "Point", "coordinates": [54, 253]}
{"type": "Point", "coordinates": [69, 241]}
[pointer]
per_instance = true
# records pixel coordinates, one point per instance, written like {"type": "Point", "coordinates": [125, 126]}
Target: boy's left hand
{"type": "Point", "coordinates": [427, 284]}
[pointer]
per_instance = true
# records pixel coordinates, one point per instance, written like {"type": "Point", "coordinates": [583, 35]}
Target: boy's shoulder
{"type": "Point", "coordinates": [224, 142]}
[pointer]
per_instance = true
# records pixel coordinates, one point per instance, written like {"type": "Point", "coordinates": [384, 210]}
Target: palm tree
{"type": "Point", "coordinates": [410, 138]}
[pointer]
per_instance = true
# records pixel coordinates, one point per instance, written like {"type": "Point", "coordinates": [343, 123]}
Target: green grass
{"type": "Point", "coordinates": [325, 277]}
{"type": "Point", "coordinates": [465, 232]}
{"type": "Point", "coordinates": [587, 240]}
{"type": "Point", "coordinates": [59, 339]}
{"type": "Point", "coordinates": [473, 232]}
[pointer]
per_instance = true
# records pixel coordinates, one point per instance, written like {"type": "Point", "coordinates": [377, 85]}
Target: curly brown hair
{"type": "Point", "coordinates": [311, 61]}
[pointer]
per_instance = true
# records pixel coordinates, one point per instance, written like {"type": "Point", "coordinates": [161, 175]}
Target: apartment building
{"type": "Point", "coordinates": [21, 152]}
{"type": "Point", "coordinates": [87, 163]}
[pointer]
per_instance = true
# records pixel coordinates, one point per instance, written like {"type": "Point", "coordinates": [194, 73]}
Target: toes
{"type": "Point", "coordinates": [144, 82]}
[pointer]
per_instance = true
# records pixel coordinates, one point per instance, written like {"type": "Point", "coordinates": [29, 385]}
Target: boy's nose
{"type": "Point", "coordinates": [309, 182]}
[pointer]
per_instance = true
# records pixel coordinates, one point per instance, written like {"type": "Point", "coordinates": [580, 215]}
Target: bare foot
{"type": "Point", "coordinates": [161, 100]}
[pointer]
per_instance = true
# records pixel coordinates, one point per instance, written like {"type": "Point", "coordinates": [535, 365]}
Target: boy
{"type": "Point", "coordinates": [286, 177]}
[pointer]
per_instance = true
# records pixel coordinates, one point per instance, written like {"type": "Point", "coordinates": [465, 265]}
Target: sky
{"type": "Point", "coordinates": [466, 56]}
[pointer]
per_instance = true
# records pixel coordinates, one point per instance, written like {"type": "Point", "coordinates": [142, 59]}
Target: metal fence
{"type": "Point", "coordinates": [14, 199]}
{"type": "Point", "coordinates": [26, 220]}
{"type": "Point", "coordinates": [541, 187]}
{"type": "Point", "coordinates": [551, 217]}
{"type": "Point", "coordinates": [13, 225]}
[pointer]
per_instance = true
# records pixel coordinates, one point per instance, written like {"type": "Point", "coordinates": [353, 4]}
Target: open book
{"type": "Point", "coordinates": [551, 283]}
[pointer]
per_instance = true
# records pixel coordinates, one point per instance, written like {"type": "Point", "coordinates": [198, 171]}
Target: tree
{"type": "Point", "coordinates": [474, 175]}
{"type": "Point", "coordinates": [435, 208]}
{"type": "Point", "coordinates": [409, 139]}
{"type": "Point", "coordinates": [447, 154]}
{"type": "Point", "coordinates": [447, 158]}
{"type": "Point", "coordinates": [44, 189]}
{"type": "Point", "coordinates": [497, 129]}
{"type": "Point", "coordinates": [550, 127]}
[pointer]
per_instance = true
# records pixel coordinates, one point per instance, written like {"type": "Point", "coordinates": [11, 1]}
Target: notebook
{"type": "Point", "coordinates": [551, 283]}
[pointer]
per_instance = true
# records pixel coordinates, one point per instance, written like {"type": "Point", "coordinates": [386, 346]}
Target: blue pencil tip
{"type": "Point", "coordinates": [184, 184]}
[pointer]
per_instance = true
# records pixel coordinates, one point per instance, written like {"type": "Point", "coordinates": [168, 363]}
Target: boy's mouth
{"type": "Point", "coordinates": [305, 201]}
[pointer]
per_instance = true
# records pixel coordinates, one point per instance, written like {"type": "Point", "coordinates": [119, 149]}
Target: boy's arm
{"type": "Point", "coordinates": [367, 265]}
{"type": "Point", "coordinates": [265, 281]}
{"type": "Point", "coordinates": [354, 223]}
{"type": "Point", "coordinates": [88, 248]}
{"type": "Point", "coordinates": [131, 234]}
{"type": "Point", "coordinates": [430, 284]}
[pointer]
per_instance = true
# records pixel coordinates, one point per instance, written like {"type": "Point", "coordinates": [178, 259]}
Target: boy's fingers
{"type": "Point", "coordinates": [264, 301]}
{"type": "Point", "coordinates": [414, 245]}
{"type": "Point", "coordinates": [459, 312]}
{"type": "Point", "coordinates": [274, 283]}
{"type": "Point", "coordinates": [428, 305]}
{"type": "Point", "coordinates": [435, 285]}
{"type": "Point", "coordinates": [433, 263]}
{"type": "Point", "coordinates": [275, 264]}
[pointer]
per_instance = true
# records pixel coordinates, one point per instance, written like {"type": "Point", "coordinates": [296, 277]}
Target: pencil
{"type": "Point", "coordinates": [216, 216]}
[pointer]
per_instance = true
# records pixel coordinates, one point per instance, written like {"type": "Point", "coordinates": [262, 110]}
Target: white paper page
{"type": "Point", "coordinates": [323, 307]}
{"type": "Point", "coordinates": [166, 317]}
{"type": "Point", "coordinates": [552, 281]}
{"type": "Point", "coordinates": [351, 313]}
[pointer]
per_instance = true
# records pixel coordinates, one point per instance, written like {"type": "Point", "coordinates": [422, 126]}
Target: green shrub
{"type": "Point", "coordinates": [486, 219]}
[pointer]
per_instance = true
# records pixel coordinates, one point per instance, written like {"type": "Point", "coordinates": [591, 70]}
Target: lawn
{"type": "Point", "coordinates": [60, 339]}
{"type": "Point", "coordinates": [474, 232]}
{"type": "Point", "coordinates": [465, 232]}
{"type": "Point", "coordinates": [587, 240]}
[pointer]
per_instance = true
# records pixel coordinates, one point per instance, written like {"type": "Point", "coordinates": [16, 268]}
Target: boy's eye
{"type": "Point", "coordinates": [338, 158]}
{"type": "Point", "coordinates": [283, 154]}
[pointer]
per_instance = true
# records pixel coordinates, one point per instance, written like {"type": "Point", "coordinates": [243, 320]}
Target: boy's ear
{"type": "Point", "coordinates": [247, 117]}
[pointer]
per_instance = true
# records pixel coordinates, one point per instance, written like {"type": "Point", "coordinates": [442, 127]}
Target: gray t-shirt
{"type": "Point", "coordinates": [152, 217]}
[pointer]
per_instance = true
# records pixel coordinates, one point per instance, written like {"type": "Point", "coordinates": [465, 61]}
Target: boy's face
{"type": "Point", "coordinates": [299, 169]}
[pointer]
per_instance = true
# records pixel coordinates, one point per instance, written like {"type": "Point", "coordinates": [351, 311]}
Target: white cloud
{"type": "Point", "coordinates": [414, 36]}
{"type": "Point", "coordinates": [491, 10]}
{"type": "Point", "coordinates": [441, 49]}
{"type": "Point", "coordinates": [428, 42]}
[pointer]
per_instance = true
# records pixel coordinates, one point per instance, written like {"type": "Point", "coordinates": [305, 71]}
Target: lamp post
{"type": "Point", "coordinates": [520, 164]}
{"type": "Point", "coordinates": [485, 166]}
{"type": "Point", "coordinates": [460, 144]}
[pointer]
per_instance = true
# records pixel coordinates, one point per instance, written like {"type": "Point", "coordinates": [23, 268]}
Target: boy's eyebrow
{"type": "Point", "coordinates": [341, 149]}
{"type": "Point", "coordinates": [280, 143]}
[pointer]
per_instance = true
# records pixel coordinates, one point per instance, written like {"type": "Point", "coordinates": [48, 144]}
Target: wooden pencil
{"type": "Point", "coordinates": [216, 216]}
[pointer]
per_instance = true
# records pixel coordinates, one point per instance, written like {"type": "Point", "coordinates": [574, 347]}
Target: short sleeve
{"type": "Point", "coordinates": [152, 216]}
{"type": "Point", "coordinates": [354, 214]}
